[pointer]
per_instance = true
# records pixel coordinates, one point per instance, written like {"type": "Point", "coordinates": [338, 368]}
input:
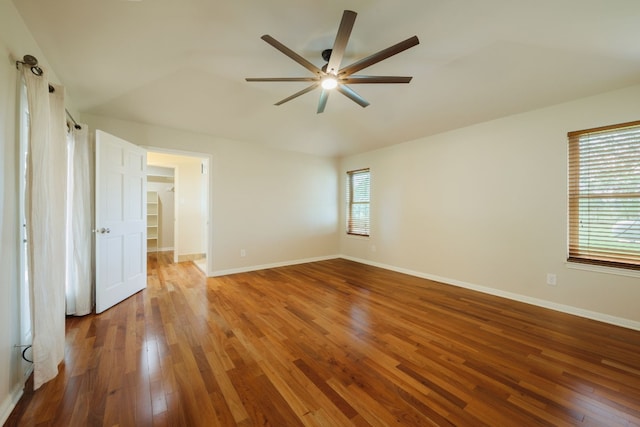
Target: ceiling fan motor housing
{"type": "Point", "coordinates": [326, 54]}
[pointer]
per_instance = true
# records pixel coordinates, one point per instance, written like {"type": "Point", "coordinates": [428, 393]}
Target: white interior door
{"type": "Point", "coordinates": [121, 232]}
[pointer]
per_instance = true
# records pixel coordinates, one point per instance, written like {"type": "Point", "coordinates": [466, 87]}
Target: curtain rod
{"type": "Point", "coordinates": [75, 124]}
{"type": "Point", "coordinates": [32, 62]}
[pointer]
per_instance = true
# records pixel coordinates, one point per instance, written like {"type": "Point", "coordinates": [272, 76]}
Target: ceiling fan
{"type": "Point", "coordinates": [331, 76]}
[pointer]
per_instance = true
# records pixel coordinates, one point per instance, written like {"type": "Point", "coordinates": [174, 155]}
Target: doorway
{"type": "Point", "coordinates": [181, 183]}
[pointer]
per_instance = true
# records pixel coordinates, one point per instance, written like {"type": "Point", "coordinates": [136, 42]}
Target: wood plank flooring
{"type": "Point", "coordinates": [334, 343]}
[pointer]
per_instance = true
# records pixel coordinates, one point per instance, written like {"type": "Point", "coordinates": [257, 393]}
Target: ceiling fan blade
{"type": "Point", "coordinates": [291, 54]}
{"type": "Point", "coordinates": [282, 79]}
{"type": "Point", "coordinates": [340, 43]}
{"type": "Point", "coordinates": [379, 56]}
{"type": "Point", "coordinates": [375, 79]}
{"type": "Point", "coordinates": [324, 96]}
{"type": "Point", "coordinates": [351, 94]}
{"type": "Point", "coordinates": [297, 94]}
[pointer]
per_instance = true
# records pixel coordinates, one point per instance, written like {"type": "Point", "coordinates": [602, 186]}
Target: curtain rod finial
{"type": "Point", "coordinates": [32, 62]}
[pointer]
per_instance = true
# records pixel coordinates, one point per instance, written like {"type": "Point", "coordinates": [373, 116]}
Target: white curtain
{"type": "Point", "coordinates": [46, 201]}
{"type": "Point", "coordinates": [79, 287]}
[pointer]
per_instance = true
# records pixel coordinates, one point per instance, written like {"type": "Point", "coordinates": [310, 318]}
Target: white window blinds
{"type": "Point", "coordinates": [604, 195]}
{"type": "Point", "coordinates": [358, 200]}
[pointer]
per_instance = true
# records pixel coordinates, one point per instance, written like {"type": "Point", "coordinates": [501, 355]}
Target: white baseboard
{"type": "Point", "coordinates": [593, 315]}
{"type": "Point", "coordinates": [10, 402]}
{"type": "Point", "coordinates": [274, 265]}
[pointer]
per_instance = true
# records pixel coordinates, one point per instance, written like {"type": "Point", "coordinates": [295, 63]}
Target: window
{"type": "Point", "coordinates": [358, 198]}
{"type": "Point", "coordinates": [26, 330]}
{"type": "Point", "coordinates": [604, 196]}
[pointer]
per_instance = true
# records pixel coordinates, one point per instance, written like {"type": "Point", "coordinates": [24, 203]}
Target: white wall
{"type": "Point", "coordinates": [278, 206]}
{"type": "Point", "coordinates": [191, 212]}
{"type": "Point", "coordinates": [485, 207]}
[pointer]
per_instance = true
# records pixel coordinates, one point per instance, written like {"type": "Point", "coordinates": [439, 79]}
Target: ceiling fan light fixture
{"type": "Point", "coordinates": [333, 75]}
{"type": "Point", "coordinates": [329, 83]}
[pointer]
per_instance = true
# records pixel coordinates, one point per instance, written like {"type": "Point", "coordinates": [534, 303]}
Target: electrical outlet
{"type": "Point", "coordinates": [552, 280]}
{"type": "Point", "coordinates": [243, 252]}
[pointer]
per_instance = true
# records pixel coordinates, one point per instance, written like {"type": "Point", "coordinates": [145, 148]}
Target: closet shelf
{"type": "Point", "coordinates": [152, 221]}
{"type": "Point", "coordinates": [160, 178]}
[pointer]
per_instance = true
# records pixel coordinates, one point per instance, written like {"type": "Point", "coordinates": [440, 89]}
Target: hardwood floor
{"type": "Point", "coordinates": [334, 343]}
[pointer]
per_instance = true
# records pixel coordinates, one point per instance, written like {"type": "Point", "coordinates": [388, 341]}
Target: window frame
{"type": "Point", "coordinates": [587, 253]}
{"type": "Point", "coordinates": [352, 227]}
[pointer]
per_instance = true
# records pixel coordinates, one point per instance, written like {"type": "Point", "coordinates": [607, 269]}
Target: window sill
{"type": "Point", "coordinates": [357, 236]}
{"type": "Point", "coordinates": [603, 269]}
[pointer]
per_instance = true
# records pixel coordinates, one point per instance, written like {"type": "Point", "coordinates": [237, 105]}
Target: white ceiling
{"type": "Point", "coordinates": [182, 63]}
